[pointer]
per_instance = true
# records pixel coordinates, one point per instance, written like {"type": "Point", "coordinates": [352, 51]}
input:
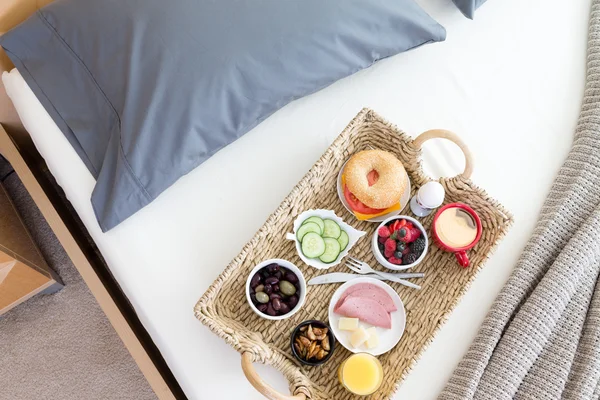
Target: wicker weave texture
{"type": "Point", "coordinates": [224, 310]}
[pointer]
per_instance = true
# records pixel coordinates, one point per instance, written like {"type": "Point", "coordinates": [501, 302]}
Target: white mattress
{"type": "Point", "coordinates": [510, 83]}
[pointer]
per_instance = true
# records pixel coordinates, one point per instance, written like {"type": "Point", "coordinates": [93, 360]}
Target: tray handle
{"type": "Point", "coordinates": [453, 137]}
{"type": "Point", "coordinates": [262, 386]}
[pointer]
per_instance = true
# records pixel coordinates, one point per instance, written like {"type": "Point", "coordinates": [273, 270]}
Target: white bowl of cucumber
{"type": "Point", "coordinates": [322, 238]}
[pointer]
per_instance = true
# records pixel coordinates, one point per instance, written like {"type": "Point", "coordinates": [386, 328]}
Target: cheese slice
{"type": "Point", "coordinates": [364, 217]}
{"type": "Point", "coordinates": [373, 340]}
{"type": "Point", "coordinates": [358, 337]}
{"type": "Point", "coordinates": [348, 324]}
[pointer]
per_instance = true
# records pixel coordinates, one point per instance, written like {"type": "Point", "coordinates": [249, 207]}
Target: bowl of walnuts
{"type": "Point", "coordinates": [312, 342]}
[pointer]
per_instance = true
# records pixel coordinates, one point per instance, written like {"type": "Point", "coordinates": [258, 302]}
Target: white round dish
{"type": "Point", "coordinates": [388, 338]}
{"type": "Point", "coordinates": [291, 267]}
{"type": "Point", "coordinates": [404, 200]}
{"type": "Point", "coordinates": [381, 259]}
{"type": "Point", "coordinates": [353, 236]}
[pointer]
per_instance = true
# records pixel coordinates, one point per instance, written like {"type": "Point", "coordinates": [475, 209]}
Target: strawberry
{"type": "Point", "coordinates": [388, 253]}
{"type": "Point", "coordinates": [409, 225]}
{"type": "Point", "coordinates": [394, 260]}
{"type": "Point", "coordinates": [394, 226]}
{"type": "Point", "coordinates": [384, 232]}
{"type": "Point", "coordinates": [402, 223]}
{"type": "Point", "coordinates": [390, 245]}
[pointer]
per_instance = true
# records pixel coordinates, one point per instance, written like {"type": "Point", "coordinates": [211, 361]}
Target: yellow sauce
{"type": "Point", "coordinates": [361, 374]}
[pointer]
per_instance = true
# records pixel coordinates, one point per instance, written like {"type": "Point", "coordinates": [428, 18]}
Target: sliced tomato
{"type": "Point", "coordinates": [372, 177]}
{"type": "Point", "coordinates": [356, 205]}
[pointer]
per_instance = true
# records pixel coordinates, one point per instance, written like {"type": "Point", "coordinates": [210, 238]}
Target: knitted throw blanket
{"type": "Point", "coordinates": [541, 338]}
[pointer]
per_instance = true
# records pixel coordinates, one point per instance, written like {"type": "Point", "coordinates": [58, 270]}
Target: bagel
{"type": "Point", "coordinates": [388, 187]}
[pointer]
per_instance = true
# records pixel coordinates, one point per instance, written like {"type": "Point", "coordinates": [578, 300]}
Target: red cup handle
{"type": "Point", "coordinates": [462, 258]}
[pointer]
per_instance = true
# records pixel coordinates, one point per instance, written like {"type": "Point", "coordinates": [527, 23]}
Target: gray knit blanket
{"type": "Point", "coordinates": [541, 338]}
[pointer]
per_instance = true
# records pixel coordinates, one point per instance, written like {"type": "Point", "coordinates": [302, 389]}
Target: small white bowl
{"type": "Point", "coordinates": [291, 267]}
{"type": "Point", "coordinates": [353, 236]}
{"type": "Point", "coordinates": [381, 259]}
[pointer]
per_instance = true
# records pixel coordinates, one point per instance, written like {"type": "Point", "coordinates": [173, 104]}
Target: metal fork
{"type": "Point", "coordinates": [362, 268]}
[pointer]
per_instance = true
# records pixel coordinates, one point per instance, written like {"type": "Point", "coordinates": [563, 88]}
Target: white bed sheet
{"type": "Point", "coordinates": [510, 83]}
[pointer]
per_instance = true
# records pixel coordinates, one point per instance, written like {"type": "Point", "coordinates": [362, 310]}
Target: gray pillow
{"type": "Point", "coordinates": [146, 91]}
{"type": "Point", "coordinates": [468, 7]}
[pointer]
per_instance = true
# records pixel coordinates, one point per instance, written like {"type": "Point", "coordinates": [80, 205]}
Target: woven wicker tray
{"type": "Point", "coordinates": [224, 310]}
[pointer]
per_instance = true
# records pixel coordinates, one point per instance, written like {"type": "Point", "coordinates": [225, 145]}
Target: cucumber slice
{"type": "Point", "coordinates": [343, 239]}
{"type": "Point", "coordinates": [332, 230]}
{"type": "Point", "coordinates": [310, 227]}
{"type": "Point", "coordinates": [332, 250]}
{"type": "Point", "coordinates": [313, 245]}
{"type": "Point", "coordinates": [317, 221]}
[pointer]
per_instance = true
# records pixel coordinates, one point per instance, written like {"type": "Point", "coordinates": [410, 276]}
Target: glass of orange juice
{"type": "Point", "coordinates": [361, 374]}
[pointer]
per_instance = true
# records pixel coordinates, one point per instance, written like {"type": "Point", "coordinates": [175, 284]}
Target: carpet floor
{"type": "Point", "coordinates": [61, 346]}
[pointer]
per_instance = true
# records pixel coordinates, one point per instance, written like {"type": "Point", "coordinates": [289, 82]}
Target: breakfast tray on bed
{"type": "Point", "coordinates": [223, 308]}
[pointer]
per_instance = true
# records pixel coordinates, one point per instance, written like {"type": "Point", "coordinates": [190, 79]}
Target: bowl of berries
{"type": "Point", "coordinates": [400, 242]}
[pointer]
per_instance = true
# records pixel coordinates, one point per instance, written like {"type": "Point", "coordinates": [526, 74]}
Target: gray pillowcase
{"type": "Point", "coordinates": [146, 91]}
{"type": "Point", "coordinates": [468, 7]}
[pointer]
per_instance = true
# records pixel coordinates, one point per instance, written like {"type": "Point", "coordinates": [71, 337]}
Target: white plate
{"type": "Point", "coordinates": [353, 236]}
{"type": "Point", "coordinates": [404, 200]}
{"type": "Point", "coordinates": [388, 338]}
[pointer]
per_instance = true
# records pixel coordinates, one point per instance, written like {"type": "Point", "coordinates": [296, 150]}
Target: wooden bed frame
{"type": "Point", "coordinates": [16, 146]}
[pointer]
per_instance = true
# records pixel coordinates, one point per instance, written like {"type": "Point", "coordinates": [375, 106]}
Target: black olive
{"type": "Point", "coordinates": [272, 280]}
{"type": "Point", "coordinates": [272, 268]}
{"type": "Point", "coordinates": [291, 277]}
{"type": "Point", "coordinates": [292, 301]}
{"type": "Point", "coordinates": [255, 281]}
{"type": "Point", "coordinates": [284, 308]}
{"type": "Point", "coordinates": [268, 289]}
{"type": "Point", "coordinates": [270, 310]}
{"type": "Point", "coordinates": [262, 308]}
{"type": "Point", "coordinates": [275, 296]}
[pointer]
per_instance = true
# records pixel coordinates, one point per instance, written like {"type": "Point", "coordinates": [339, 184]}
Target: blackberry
{"type": "Point", "coordinates": [410, 258]}
{"type": "Point", "coordinates": [400, 246]}
{"type": "Point", "coordinates": [418, 246]}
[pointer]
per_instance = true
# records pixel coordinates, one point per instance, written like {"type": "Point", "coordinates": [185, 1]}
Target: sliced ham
{"type": "Point", "coordinates": [366, 310]}
{"type": "Point", "coordinates": [368, 291]}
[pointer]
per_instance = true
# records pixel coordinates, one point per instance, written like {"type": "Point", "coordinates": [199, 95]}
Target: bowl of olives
{"type": "Point", "coordinates": [276, 289]}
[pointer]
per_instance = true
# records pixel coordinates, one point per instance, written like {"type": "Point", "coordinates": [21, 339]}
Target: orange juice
{"type": "Point", "coordinates": [361, 374]}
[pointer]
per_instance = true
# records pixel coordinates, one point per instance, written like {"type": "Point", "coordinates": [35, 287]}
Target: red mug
{"type": "Point", "coordinates": [459, 252]}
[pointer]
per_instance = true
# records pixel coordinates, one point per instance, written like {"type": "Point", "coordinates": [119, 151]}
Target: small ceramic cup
{"type": "Point", "coordinates": [459, 252]}
{"type": "Point", "coordinates": [380, 257]}
{"type": "Point", "coordinates": [316, 324]}
{"type": "Point", "coordinates": [301, 281]}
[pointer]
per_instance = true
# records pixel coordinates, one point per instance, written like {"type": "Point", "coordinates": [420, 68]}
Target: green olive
{"type": "Point", "coordinates": [262, 297]}
{"type": "Point", "coordinates": [287, 288]}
